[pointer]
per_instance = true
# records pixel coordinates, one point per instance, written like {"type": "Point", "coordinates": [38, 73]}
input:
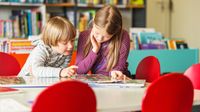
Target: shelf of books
{"type": "Point", "coordinates": [86, 9]}
{"type": "Point", "coordinates": [20, 20]}
{"type": "Point", "coordinates": [80, 12]}
{"type": "Point", "coordinates": [149, 38]}
{"type": "Point", "coordinates": [60, 4]}
{"type": "Point", "coordinates": [173, 54]}
{"type": "Point", "coordinates": [118, 3]}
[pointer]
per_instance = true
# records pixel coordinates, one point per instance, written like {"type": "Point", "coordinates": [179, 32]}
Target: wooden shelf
{"type": "Point", "coordinates": [101, 5]}
{"type": "Point", "coordinates": [61, 5]}
{"type": "Point", "coordinates": [21, 4]}
{"type": "Point", "coordinates": [135, 6]}
{"type": "Point", "coordinates": [67, 5]}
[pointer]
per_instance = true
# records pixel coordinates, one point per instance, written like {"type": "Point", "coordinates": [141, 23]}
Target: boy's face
{"type": "Point", "coordinates": [64, 48]}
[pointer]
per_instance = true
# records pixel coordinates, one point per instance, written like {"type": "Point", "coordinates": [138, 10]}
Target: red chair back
{"type": "Point", "coordinates": [9, 65]}
{"type": "Point", "coordinates": [148, 69]}
{"type": "Point", "coordinates": [170, 93]}
{"type": "Point", "coordinates": [66, 96]}
{"type": "Point", "coordinates": [193, 73]}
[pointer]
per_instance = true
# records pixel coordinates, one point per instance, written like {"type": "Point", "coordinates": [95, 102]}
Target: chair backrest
{"type": "Point", "coordinates": [170, 93]}
{"type": "Point", "coordinates": [148, 69]}
{"type": "Point", "coordinates": [9, 65]}
{"type": "Point", "coordinates": [66, 96]}
{"type": "Point", "coordinates": [193, 73]}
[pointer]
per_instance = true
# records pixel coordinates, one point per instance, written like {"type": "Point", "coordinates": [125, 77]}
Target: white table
{"type": "Point", "coordinates": [108, 99]}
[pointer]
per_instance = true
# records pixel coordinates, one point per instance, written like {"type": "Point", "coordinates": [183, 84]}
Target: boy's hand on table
{"type": "Point", "coordinates": [117, 75]}
{"type": "Point", "coordinates": [69, 71]}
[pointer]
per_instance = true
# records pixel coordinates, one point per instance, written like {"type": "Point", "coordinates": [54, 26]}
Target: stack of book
{"type": "Point", "coordinates": [148, 38]}
{"type": "Point", "coordinates": [21, 24]}
{"type": "Point", "coordinates": [174, 44]}
{"type": "Point", "coordinates": [20, 46]}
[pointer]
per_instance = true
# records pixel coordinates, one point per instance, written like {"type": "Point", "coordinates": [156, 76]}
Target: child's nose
{"type": "Point", "coordinates": [100, 37]}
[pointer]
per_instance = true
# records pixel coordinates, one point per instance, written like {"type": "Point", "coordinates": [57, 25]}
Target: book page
{"type": "Point", "coordinates": [10, 80]}
{"type": "Point", "coordinates": [28, 82]}
{"type": "Point", "coordinates": [91, 77]}
{"type": "Point", "coordinates": [120, 84]}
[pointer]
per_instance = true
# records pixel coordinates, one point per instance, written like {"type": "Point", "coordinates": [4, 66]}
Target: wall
{"type": "Point", "coordinates": [158, 16]}
{"type": "Point", "coordinates": [183, 23]}
{"type": "Point", "coordinates": [186, 21]}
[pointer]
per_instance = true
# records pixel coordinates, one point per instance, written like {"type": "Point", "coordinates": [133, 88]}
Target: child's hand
{"type": "Point", "coordinates": [69, 71]}
{"type": "Point", "coordinates": [117, 75]}
{"type": "Point", "coordinates": [96, 45]}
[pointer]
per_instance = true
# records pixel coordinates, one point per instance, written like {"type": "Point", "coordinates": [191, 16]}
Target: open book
{"type": "Point", "coordinates": [40, 82]}
{"type": "Point", "coordinates": [27, 82]}
{"type": "Point", "coordinates": [91, 77]}
{"type": "Point", "coordinates": [94, 80]}
{"type": "Point", "coordinates": [119, 84]}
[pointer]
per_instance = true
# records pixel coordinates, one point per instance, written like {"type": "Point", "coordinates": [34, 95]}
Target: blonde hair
{"type": "Point", "coordinates": [110, 19]}
{"type": "Point", "coordinates": [58, 29]}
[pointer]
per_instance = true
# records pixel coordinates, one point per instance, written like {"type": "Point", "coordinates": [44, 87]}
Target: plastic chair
{"type": "Point", "coordinates": [193, 73]}
{"type": "Point", "coordinates": [9, 65]}
{"type": "Point", "coordinates": [66, 96]}
{"type": "Point", "coordinates": [170, 93]}
{"type": "Point", "coordinates": [148, 69]}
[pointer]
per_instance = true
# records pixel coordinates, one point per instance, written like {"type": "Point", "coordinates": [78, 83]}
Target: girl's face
{"type": "Point", "coordinates": [100, 34]}
{"type": "Point", "coordinates": [64, 48]}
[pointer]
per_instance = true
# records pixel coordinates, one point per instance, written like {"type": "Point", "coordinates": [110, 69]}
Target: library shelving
{"type": "Point", "coordinates": [75, 10]}
{"type": "Point", "coordinates": [19, 20]}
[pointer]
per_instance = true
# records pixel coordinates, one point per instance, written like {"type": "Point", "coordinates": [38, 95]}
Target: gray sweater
{"type": "Point", "coordinates": [44, 62]}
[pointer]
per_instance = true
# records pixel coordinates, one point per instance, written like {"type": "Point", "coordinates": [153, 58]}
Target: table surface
{"type": "Point", "coordinates": [108, 99]}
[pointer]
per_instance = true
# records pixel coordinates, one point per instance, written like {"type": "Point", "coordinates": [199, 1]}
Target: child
{"type": "Point", "coordinates": [104, 48]}
{"type": "Point", "coordinates": [53, 52]}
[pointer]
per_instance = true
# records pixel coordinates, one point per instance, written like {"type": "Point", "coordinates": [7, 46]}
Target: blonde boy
{"type": "Point", "coordinates": [52, 54]}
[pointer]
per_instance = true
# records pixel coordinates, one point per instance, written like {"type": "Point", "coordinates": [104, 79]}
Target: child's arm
{"type": "Point", "coordinates": [37, 64]}
{"type": "Point", "coordinates": [84, 63]}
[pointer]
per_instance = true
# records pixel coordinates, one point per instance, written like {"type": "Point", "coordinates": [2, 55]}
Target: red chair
{"type": "Point", "coordinates": [66, 96]}
{"type": "Point", "coordinates": [148, 69]}
{"type": "Point", "coordinates": [170, 93]}
{"type": "Point", "coordinates": [9, 65]}
{"type": "Point", "coordinates": [193, 73]}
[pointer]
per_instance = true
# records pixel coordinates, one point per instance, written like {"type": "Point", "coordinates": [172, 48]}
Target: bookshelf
{"type": "Point", "coordinates": [20, 20]}
{"type": "Point", "coordinates": [68, 8]}
{"type": "Point", "coordinates": [60, 5]}
{"type": "Point", "coordinates": [74, 8]}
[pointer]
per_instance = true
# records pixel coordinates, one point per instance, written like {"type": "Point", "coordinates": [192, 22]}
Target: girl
{"type": "Point", "coordinates": [104, 48]}
{"type": "Point", "coordinates": [53, 52]}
